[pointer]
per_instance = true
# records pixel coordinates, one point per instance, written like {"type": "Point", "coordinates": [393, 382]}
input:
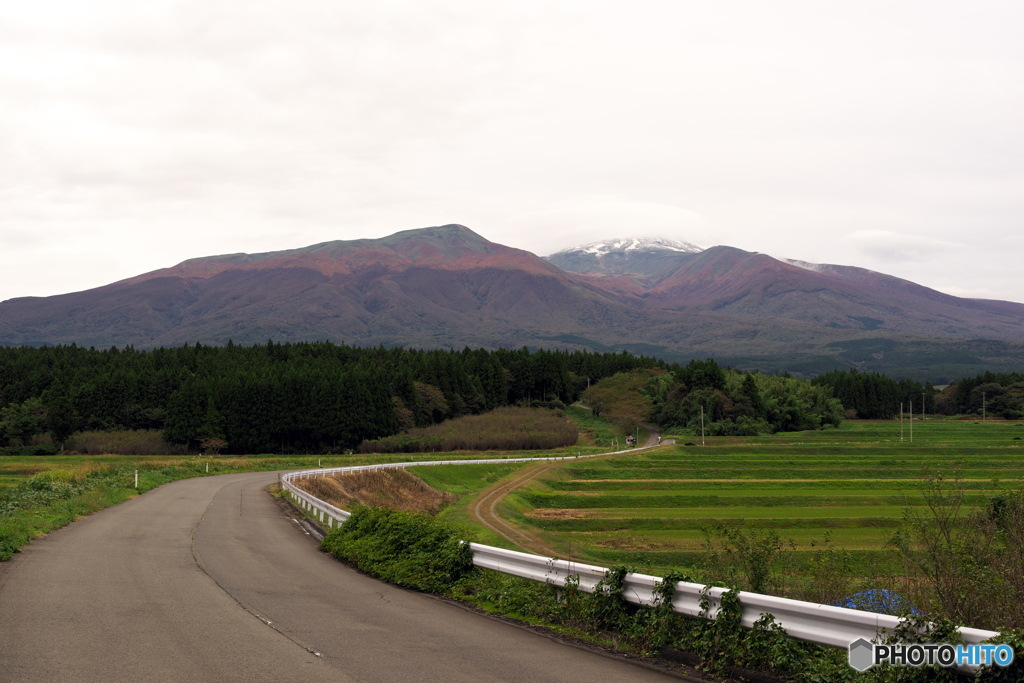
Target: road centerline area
{"type": "Point", "coordinates": [165, 587]}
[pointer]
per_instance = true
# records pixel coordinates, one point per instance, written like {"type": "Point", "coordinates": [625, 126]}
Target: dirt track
{"type": "Point", "coordinates": [484, 510]}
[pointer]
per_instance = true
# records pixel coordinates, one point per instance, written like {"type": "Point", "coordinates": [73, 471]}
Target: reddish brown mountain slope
{"type": "Point", "coordinates": [447, 286]}
{"type": "Point", "coordinates": [433, 287]}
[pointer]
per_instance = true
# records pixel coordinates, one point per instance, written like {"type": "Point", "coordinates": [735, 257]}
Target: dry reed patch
{"type": "Point", "coordinates": [642, 543]}
{"type": "Point", "coordinates": [391, 488]}
{"type": "Point", "coordinates": [560, 513]}
{"type": "Point", "coordinates": [502, 429]}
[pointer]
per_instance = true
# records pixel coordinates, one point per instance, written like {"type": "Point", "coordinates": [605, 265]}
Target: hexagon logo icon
{"type": "Point", "coordinates": [862, 654]}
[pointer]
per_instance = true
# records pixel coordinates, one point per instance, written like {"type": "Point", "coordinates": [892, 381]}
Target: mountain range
{"type": "Point", "coordinates": [449, 287]}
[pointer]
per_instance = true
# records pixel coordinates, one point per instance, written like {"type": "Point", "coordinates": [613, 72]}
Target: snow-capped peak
{"type": "Point", "coordinates": [627, 244]}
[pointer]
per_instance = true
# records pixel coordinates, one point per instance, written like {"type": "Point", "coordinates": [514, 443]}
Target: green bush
{"type": "Point", "coordinates": [405, 548]}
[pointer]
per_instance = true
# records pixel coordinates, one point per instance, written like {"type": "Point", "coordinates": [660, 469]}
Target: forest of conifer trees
{"type": "Point", "coordinates": [278, 398]}
{"type": "Point", "coordinates": [323, 397]}
{"type": "Point", "coordinates": [871, 396]}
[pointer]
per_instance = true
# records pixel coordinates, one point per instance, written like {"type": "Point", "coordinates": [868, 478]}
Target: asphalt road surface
{"type": "Point", "coordinates": [209, 579]}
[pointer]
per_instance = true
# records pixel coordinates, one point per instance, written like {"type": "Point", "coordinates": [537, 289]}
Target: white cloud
{"type": "Point", "coordinates": [141, 134]}
{"type": "Point", "coordinates": [883, 245]}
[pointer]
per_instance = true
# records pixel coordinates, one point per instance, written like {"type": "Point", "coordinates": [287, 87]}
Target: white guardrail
{"type": "Point", "coordinates": [822, 624]}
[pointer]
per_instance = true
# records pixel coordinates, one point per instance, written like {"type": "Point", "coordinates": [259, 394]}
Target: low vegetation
{"type": "Point", "coordinates": [40, 494]}
{"type": "Point", "coordinates": [423, 552]}
{"type": "Point", "coordinates": [818, 516]}
{"type": "Point", "coordinates": [503, 429]}
{"type": "Point", "coordinates": [759, 512]}
{"type": "Point", "coordinates": [51, 499]}
{"type": "Point", "coordinates": [957, 556]}
{"type": "Point", "coordinates": [406, 548]}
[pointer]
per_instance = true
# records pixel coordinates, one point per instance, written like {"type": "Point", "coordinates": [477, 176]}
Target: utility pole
{"type": "Point", "coordinates": [910, 406]}
{"type": "Point", "coordinates": [922, 405]}
{"type": "Point", "coordinates": [983, 406]}
{"type": "Point", "coordinates": [702, 424]}
{"type": "Point", "coordinates": [901, 422]}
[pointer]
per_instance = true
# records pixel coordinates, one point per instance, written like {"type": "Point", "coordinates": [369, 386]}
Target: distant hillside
{"type": "Point", "coordinates": [449, 287]}
{"type": "Point", "coordinates": [444, 286]}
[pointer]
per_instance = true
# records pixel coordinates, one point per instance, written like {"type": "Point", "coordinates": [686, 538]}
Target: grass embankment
{"type": "Point", "coordinates": [53, 491]}
{"type": "Point", "coordinates": [392, 488]}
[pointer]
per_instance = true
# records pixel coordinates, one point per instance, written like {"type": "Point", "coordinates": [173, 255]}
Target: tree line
{"type": "Point", "coordinates": [321, 397]}
{"type": "Point", "coordinates": [876, 397]}
{"type": "Point", "coordinates": [278, 398]}
{"type": "Point", "coordinates": [872, 396]}
{"type": "Point", "coordinates": [703, 397]}
{"type": "Point", "coordinates": [990, 393]}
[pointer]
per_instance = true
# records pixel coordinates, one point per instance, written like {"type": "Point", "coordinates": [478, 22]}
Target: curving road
{"type": "Point", "coordinates": [211, 580]}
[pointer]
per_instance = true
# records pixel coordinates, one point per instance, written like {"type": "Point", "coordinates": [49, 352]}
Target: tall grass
{"type": "Point", "coordinates": [512, 429]}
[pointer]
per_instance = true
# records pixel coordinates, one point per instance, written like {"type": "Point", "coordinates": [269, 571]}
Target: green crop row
{"type": "Point", "coordinates": [617, 500]}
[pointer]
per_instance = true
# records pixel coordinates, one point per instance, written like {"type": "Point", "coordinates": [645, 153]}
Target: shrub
{"type": "Point", "coordinates": [409, 549]}
{"type": "Point", "coordinates": [730, 550]}
{"type": "Point", "coordinates": [956, 558]}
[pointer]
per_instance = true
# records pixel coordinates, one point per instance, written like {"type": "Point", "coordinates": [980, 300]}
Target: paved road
{"type": "Point", "coordinates": [209, 580]}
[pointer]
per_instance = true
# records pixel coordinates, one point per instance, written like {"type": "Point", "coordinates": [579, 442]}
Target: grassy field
{"type": "Point", "coordinates": [41, 493]}
{"type": "Point", "coordinates": [853, 484]}
{"type": "Point", "coordinates": [649, 509]}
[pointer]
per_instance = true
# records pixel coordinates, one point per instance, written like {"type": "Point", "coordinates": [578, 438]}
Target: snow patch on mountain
{"type": "Point", "coordinates": [631, 244]}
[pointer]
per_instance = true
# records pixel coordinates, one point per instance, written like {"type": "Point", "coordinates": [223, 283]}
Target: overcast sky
{"type": "Point", "coordinates": [886, 135]}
